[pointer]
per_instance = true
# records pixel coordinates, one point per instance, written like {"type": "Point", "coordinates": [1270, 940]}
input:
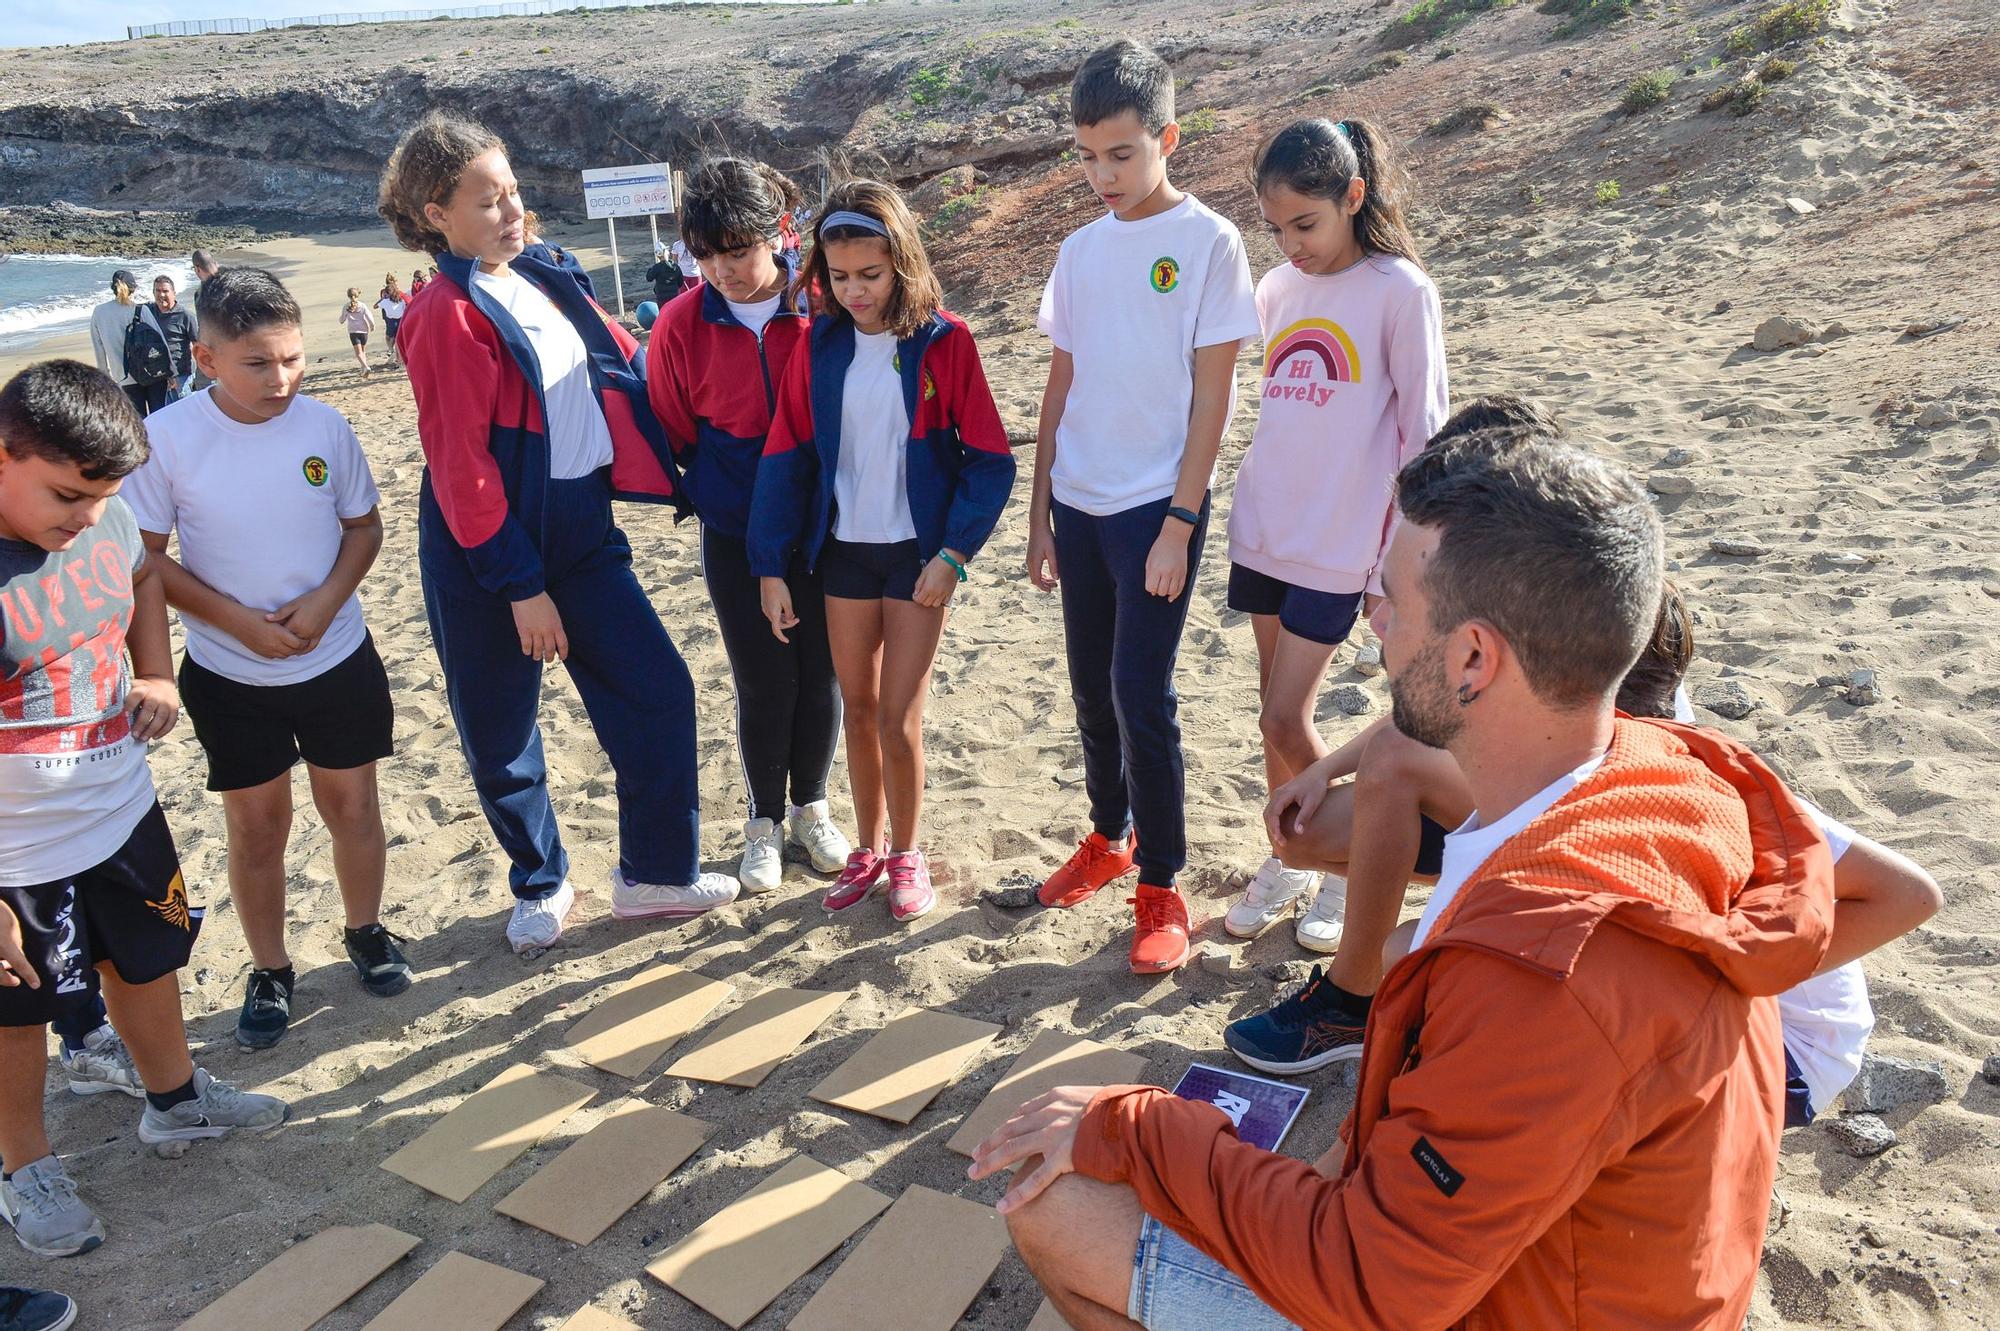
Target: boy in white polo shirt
{"type": "Point", "coordinates": [276, 511]}
{"type": "Point", "coordinates": [1147, 308]}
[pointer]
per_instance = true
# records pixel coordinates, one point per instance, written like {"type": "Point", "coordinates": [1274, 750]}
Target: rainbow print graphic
{"type": "Point", "coordinates": [1311, 340]}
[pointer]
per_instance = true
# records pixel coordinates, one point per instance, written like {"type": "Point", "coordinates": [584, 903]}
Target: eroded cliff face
{"type": "Point", "coordinates": [298, 123]}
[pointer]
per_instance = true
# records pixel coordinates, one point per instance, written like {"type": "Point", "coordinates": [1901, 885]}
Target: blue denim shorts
{"type": "Point", "coordinates": [1177, 1287]}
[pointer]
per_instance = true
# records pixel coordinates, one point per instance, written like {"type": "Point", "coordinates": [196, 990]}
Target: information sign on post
{"type": "Point", "coordinates": [612, 192]}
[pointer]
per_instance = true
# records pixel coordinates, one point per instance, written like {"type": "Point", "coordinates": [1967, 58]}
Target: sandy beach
{"type": "Point", "coordinates": [1830, 507]}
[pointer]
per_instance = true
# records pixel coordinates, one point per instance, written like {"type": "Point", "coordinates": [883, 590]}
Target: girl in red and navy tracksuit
{"type": "Point", "coordinates": [533, 417]}
{"type": "Point", "coordinates": [712, 370]}
{"type": "Point", "coordinates": [886, 468]}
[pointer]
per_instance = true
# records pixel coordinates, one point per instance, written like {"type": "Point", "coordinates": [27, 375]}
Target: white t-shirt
{"type": "Point", "coordinates": [1131, 302]}
{"type": "Point", "coordinates": [756, 314]}
{"type": "Point", "coordinates": [1827, 1019]}
{"type": "Point", "coordinates": [684, 260]}
{"type": "Point", "coordinates": [391, 307]}
{"type": "Point", "coordinates": [258, 509]}
{"type": "Point", "coordinates": [579, 439]}
{"type": "Point", "coordinates": [871, 496]}
{"type": "Point", "coordinates": [1471, 845]}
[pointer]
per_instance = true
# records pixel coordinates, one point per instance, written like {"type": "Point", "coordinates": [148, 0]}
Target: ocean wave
{"type": "Point", "coordinates": [42, 295]}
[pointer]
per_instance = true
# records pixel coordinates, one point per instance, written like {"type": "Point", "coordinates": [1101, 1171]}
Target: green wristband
{"type": "Point", "coordinates": [946, 557]}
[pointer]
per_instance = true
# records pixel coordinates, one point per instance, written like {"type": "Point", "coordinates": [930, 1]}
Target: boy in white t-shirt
{"type": "Point", "coordinates": [1147, 308]}
{"type": "Point", "coordinates": [276, 511]}
{"type": "Point", "coordinates": [91, 893]}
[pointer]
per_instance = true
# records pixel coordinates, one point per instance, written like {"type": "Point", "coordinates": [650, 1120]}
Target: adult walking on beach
{"type": "Point", "coordinates": [533, 417]}
{"type": "Point", "coordinates": [109, 324]}
{"type": "Point", "coordinates": [177, 324]}
{"type": "Point", "coordinates": [205, 267]}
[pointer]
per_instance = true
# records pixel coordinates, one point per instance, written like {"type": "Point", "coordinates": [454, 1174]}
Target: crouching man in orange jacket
{"type": "Point", "coordinates": [1572, 1086]}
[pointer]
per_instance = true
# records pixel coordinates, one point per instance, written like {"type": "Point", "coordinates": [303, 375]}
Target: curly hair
{"type": "Point", "coordinates": [424, 169]}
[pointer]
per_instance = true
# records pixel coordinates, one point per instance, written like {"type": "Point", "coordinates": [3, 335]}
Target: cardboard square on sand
{"type": "Point", "coordinates": [642, 1018]}
{"type": "Point", "coordinates": [477, 1140]}
{"type": "Point", "coordinates": [758, 1036]}
{"type": "Point", "coordinates": [948, 1244]}
{"type": "Point", "coordinates": [1051, 1059]}
{"type": "Point", "coordinates": [1048, 1319]}
{"type": "Point", "coordinates": [460, 1292]}
{"type": "Point", "coordinates": [307, 1281]}
{"type": "Point", "coordinates": [582, 1192]}
{"type": "Point", "coordinates": [739, 1259]}
{"type": "Point", "coordinates": [596, 1319]}
{"type": "Point", "coordinates": [905, 1065]}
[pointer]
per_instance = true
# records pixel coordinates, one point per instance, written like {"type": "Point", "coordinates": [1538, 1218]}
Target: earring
{"type": "Point", "coordinates": [1466, 695]}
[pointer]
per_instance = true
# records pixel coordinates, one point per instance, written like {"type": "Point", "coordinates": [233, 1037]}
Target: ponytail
{"type": "Point", "coordinates": [1321, 158]}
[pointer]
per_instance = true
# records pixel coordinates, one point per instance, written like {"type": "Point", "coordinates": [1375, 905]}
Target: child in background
{"type": "Point", "coordinates": [354, 317]}
{"type": "Point", "coordinates": [417, 282]}
{"type": "Point", "coordinates": [887, 468]}
{"type": "Point", "coordinates": [91, 893]}
{"type": "Point", "coordinates": [276, 511]}
{"type": "Point", "coordinates": [392, 304]}
{"type": "Point", "coordinates": [1354, 384]}
{"type": "Point", "coordinates": [1147, 307]}
{"type": "Point", "coordinates": [711, 373]}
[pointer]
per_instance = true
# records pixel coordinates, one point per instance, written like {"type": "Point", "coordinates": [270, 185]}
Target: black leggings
{"type": "Point", "coordinates": [787, 699]}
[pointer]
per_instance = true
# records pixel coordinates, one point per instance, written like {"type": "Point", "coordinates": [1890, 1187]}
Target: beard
{"type": "Point", "coordinates": [1421, 704]}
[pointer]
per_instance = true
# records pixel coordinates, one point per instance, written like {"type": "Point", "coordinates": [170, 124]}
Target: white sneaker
{"type": "Point", "coordinates": [1319, 928]}
{"type": "Point", "coordinates": [635, 901]}
{"type": "Point", "coordinates": [763, 863]}
{"type": "Point", "coordinates": [1268, 895]}
{"type": "Point", "coordinates": [811, 829]}
{"type": "Point", "coordinates": [103, 1064]}
{"type": "Point", "coordinates": [535, 925]}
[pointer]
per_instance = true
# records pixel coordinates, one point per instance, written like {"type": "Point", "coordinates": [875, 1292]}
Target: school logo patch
{"type": "Point", "coordinates": [174, 910]}
{"type": "Point", "coordinates": [1166, 275]}
{"type": "Point", "coordinates": [315, 470]}
{"type": "Point", "coordinates": [930, 386]}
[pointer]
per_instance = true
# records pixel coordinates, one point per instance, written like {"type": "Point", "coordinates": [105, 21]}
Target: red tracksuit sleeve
{"type": "Point", "coordinates": [986, 476]}
{"type": "Point", "coordinates": [788, 475]}
{"type": "Point", "coordinates": [453, 358]}
{"type": "Point", "coordinates": [667, 384]}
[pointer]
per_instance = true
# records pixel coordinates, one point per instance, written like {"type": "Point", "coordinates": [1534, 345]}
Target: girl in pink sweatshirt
{"type": "Point", "coordinates": [1354, 384]}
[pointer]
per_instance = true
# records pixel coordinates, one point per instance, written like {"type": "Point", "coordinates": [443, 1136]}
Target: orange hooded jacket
{"type": "Point", "coordinates": [1570, 1097]}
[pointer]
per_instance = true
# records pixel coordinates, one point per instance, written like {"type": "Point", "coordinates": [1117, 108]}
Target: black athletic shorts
{"type": "Point", "coordinates": [358, 339]}
{"type": "Point", "coordinates": [870, 570]}
{"type": "Point", "coordinates": [1430, 852]}
{"type": "Point", "coordinates": [130, 912]}
{"type": "Point", "coordinates": [253, 733]}
{"type": "Point", "coordinates": [1322, 617]}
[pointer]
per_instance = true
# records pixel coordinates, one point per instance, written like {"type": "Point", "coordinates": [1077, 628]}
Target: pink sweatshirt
{"type": "Point", "coordinates": [1354, 384]}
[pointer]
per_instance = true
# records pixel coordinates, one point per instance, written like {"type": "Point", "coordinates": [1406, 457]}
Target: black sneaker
{"type": "Point", "coordinates": [383, 969]}
{"type": "Point", "coordinates": [267, 1009]}
{"type": "Point", "coordinates": [1302, 1034]}
{"type": "Point", "coordinates": [34, 1309]}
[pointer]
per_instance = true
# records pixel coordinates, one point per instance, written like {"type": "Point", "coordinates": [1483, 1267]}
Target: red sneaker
{"type": "Point", "coordinates": [1161, 942]}
{"type": "Point", "coordinates": [910, 892]}
{"type": "Point", "coordinates": [856, 881]}
{"type": "Point", "coordinates": [1092, 866]}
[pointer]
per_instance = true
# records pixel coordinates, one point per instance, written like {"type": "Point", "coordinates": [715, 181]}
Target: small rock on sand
{"type": "Point", "coordinates": [1861, 1135]}
{"type": "Point", "coordinates": [1886, 1082]}
{"type": "Point", "coordinates": [1219, 961]}
{"type": "Point", "coordinates": [1799, 207]}
{"type": "Point", "coordinates": [1989, 1071]}
{"type": "Point", "coordinates": [1738, 549]}
{"type": "Point", "coordinates": [1862, 689]}
{"type": "Point", "coordinates": [1935, 415]}
{"type": "Point", "coordinates": [1351, 699]}
{"type": "Point", "coordinates": [1669, 483]}
{"type": "Point", "coordinates": [1368, 661]}
{"type": "Point", "coordinates": [1836, 329]}
{"type": "Point", "coordinates": [1011, 898]}
{"type": "Point", "coordinates": [1780, 331]}
{"type": "Point", "coordinates": [1726, 698]}
{"type": "Point", "coordinates": [1931, 327]}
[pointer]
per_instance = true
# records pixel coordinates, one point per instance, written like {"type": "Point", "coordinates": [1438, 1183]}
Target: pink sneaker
{"type": "Point", "coordinates": [910, 893]}
{"type": "Point", "coordinates": [856, 881]}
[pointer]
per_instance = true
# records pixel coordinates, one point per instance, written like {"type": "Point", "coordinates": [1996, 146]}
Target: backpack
{"type": "Point", "coordinates": [147, 359]}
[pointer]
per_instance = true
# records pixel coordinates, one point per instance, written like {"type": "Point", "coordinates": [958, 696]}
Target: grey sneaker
{"type": "Point", "coordinates": [217, 1109]}
{"type": "Point", "coordinates": [40, 1202]}
{"type": "Point", "coordinates": [104, 1064]}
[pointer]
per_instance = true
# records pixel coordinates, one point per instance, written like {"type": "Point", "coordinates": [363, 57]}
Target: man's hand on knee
{"type": "Point", "coordinates": [1044, 1127]}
